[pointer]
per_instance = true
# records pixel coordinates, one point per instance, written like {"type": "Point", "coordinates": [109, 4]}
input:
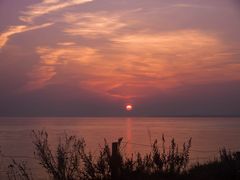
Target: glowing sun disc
{"type": "Point", "coordinates": [129, 107]}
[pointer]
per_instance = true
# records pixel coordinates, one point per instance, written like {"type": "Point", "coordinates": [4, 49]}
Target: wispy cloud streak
{"type": "Point", "coordinates": [34, 11]}
{"type": "Point", "coordinates": [13, 30]}
{"type": "Point", "coordinates": [48, 6]}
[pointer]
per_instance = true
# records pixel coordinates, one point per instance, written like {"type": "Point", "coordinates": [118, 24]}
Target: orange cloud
{"type": "Point", "coordinates": [40, 77]}
{"type": "Point", "coordinates": [169, 42]}
{"type": "Point", "coordinates": [50, 58]}
{"type": "Point", "coordinates": [67, 43]}
{"type": "Point", "coordinates": [136, 65]}
{"type": "Point", "coordinates": [172, 58]}
{"type": "Point", "coordinates": [92, 24]}
{"type": "Point", "coordinates": [142, 64]}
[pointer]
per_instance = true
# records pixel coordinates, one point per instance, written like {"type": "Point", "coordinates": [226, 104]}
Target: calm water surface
{"type": "Point", "coordinates": [208, 134]}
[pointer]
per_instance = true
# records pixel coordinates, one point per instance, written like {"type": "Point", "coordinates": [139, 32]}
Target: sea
{"type": "Point", "coordinates": [208, 134]}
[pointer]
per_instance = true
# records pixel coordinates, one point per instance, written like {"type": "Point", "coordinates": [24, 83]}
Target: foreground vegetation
{"type": "Point", "coordinates": [71, 161]}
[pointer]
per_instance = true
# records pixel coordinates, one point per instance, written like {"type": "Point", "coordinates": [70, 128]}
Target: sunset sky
{"type": "Point", "coordinates": [93, 57]}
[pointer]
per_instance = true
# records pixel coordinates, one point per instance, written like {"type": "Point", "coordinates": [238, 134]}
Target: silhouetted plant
{"type": "Point", "coordinates": [71, 161]}
{"type": "Point", "coordinates": [65, 164]}
{"type": "Point", "coordinates": [159, 161]}
{"type": "Point", "coordinates": [227, 166]}
{"type": "Point", "coordinates": [103, 164]}
{"type": "Point", "coordinates": [99, 168]}
{"type": "Point", "coordinates": [19, 171]}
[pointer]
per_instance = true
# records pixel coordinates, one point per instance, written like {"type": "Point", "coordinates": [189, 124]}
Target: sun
{"type": "Point", "coordinates": [129, 107]}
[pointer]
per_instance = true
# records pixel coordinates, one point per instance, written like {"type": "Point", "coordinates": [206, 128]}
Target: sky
{"type": "Point", "coordinates": [93, 57]}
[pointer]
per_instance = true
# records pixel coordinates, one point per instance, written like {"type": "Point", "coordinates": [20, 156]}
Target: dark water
{"type": "Point", "coordinates": [208, 134]}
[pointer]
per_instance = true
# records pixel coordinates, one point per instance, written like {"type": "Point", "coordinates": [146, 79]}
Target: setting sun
{"type": "Point", "coordinates": [129, 107]}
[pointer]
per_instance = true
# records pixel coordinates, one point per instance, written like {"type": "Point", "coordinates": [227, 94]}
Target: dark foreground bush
{"type": "Point", "coordinates": [227, 167]}
{"type": "Point", "coordinates": [71, 161]}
